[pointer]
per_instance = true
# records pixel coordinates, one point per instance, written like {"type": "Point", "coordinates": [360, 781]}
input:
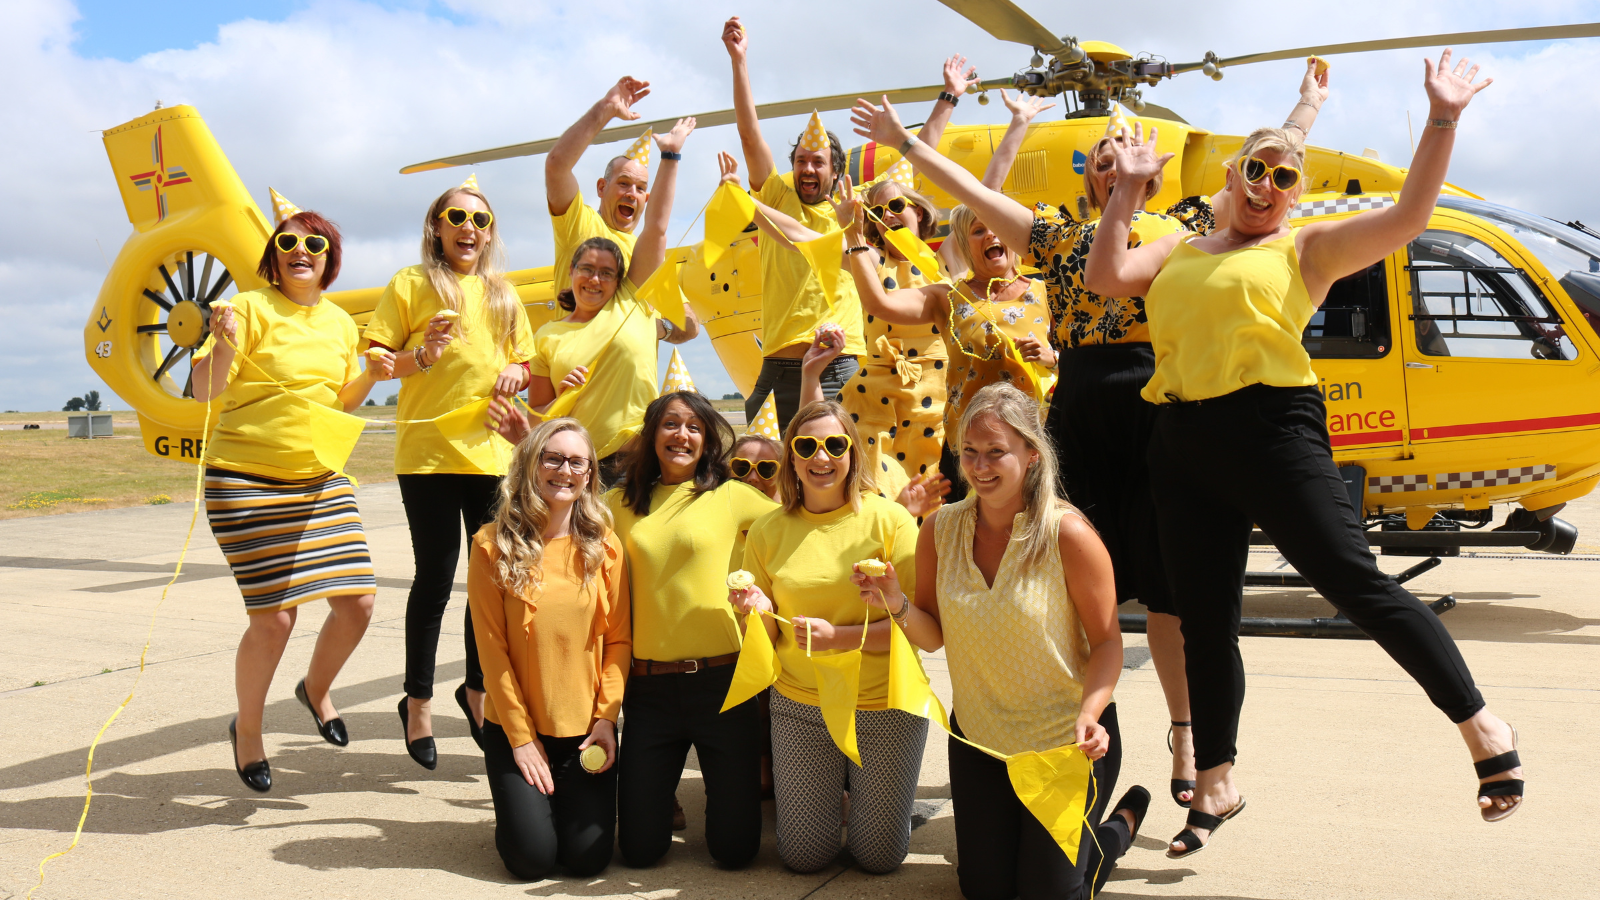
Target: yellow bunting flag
{"type": "Point", "coordinates": [467, 429]}
{"type": "Point", "coordinates": [677, 376]}
{"type": "Point", "coordinates": [825, 254]}
{"type": "Point", "coordinates": [662, 291]}
{"type": "Point", "coordinates": [757, 668]}
{"type": "Point", "coordinates": [1054, 786]}
{"type": "Point", "coordinates": [838, 690]}
{"type": "Point", "coordinates": [639, 150]}
{"type": "Point", "coordinates": [281, 207]}
{"type": "Point", "coordinates": [766, 423]}
{"type": "Point", "coordinates": [908, 683]}
{"type": "Point", "coordinates": [333, 435]}
{"type": "Point", "coordinates": [915, 250]}
{"type": "Point", "coordinates": [471, 184]}
{"type": "Point", "coordinates": [727, 215]}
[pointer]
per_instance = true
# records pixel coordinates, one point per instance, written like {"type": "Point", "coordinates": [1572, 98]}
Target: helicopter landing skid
{"type": "Point", "coordinates": [1337, 626]}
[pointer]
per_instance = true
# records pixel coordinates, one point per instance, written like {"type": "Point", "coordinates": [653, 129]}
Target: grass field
{"type": "Point", "coordinates": [46, 472]}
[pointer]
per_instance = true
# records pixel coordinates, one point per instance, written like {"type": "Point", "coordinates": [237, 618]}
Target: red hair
{"type": "Point", "coordinates": [316, 224]}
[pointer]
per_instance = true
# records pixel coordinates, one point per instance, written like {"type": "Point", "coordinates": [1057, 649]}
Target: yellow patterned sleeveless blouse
{"type": "Point", "coordinates": [1017, 651]}
{"type": "Point", "coordinates": [978, 355]}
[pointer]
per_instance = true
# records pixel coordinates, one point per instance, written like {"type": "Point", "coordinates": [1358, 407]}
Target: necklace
{"type": "Point", "coordinates": [994, 352]}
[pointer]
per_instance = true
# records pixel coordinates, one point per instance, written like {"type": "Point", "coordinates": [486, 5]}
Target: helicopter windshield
{"type": "Point", "coordinates": [1572, 256]}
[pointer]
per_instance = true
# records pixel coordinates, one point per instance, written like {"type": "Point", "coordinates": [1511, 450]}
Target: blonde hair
{"type": "Point", "coordinates": [498, 295]}
{"type": "Point", "coordinates": [1042, 501]}
{"type": "Point", "coordinates": [859, 481]}
{"type": "Point", "coordinates": [962, 219]}
{"type": "Point", "coordinates": [927, 213]}
{"type": "Point", "coordinates": [521, 515]}
{"type": "Point", "coordinates": [1279, 139]}
{"type": "Point", "coordinates": [1090, 189]}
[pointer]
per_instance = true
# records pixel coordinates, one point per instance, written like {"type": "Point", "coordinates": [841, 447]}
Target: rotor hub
{"type": "Point", "coordinates": [186, 324]}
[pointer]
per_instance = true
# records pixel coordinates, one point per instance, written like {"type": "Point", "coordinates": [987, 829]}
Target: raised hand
{"type": "Point", "coordinates": [1026, 106]}
{"type": "Point", "coordinates": [958, 76]}
{"type": "Point", "coordinates": [1450, 90]}
{"type": "Point", "coordinates": [847, 210]}
{"type": "Point", "coordinates": [626, 92]}
{"type": "Point", "coordinates": [437, 338]}
{"type": "Point", "coordinates": [1136, 159]}
{"type": "Point", "coordinates": [879, 123]}
{"type": "Point", "coordinates": [507, 421]}
{"type": "Point", "coordinates": [729, 167]}
{"type": "Point", "coordinates": [736, 39]}
{"type": "Point", "coordinates": [672, 141]}
{"type": "Point", "coordinates": [1314, 87]}
{"type": "Point", "coordinates": [825, 347]}
{"type": "Point", "coordinates": [924, 494]}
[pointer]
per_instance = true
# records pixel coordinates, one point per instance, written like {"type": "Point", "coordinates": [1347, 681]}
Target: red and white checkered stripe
{"type": "Point", "coordinates": [1493, 477]}
{"type": "Point", "coordinates": [1391, 484]}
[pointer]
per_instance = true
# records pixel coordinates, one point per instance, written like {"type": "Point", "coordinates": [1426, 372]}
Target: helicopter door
{"type": "Point", "coordinates": [1487, 354]}
{"type": "Point", "coordinates": [1350, 341]}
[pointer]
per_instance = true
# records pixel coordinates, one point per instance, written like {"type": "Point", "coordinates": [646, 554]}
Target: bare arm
{"type": "Point", "coordinates": [651, 247]}
{"type": "Point", "coordinates": [1006, 217]}
{"type": "Point", "coordinates": [1331, 250]}
{"type": "Point", "coordinates": [910, 306]}
{"type": "Point", "coordinates": [757, 155]}
{"type": "Point", "coordinates": [672, 334]}
{"type": "Point", "coordinates": [824, 349]}
{"type": "Point", "coordinates": [357, 389]}
{"type": "Point", "coordinates": [1093, 590]}
{"type": "Point", "coordinates": [560, 185]}
{"type": "Point", "coordinates": [1112, 270]}
{"type": "Point", "coordinates": [1023, 109]}
{"type": "Point", "coordinates": [779, 225]}
{"type": "Point", "coordinates": [1313, 93]}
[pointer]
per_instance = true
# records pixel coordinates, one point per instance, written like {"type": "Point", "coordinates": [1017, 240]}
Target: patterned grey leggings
{"type": "Point", "coordinates": [810, 776]}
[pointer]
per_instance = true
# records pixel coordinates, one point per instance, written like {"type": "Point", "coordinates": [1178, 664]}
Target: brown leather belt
{"type": "Point", "coordinates": [687, 667]}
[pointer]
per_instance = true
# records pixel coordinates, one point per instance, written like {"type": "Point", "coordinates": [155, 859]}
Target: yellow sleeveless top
{"type": "Point", "coordinates": [978, 356]}
{"type": "Point", "coordinates": [1221, 322]}
{"type": "Point", "coordinates": [1017, 651]}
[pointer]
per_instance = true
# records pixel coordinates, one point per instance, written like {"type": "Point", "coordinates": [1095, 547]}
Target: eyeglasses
{"type": "Point", "coordinates": [458, 217]}
{"type": "Point", "coordinates": [288, 242]}
{"type": "Point", "coordinates": [604, 275]}
{"type": "Point", "coordinates": [805, 446]}
{"type": "Point", "coordinates": [896, 205]}
{"type": "Point", "coordinates": [1284, 178]}
{"type": "Point", "coordinates": [554, 461]}
{"type": "Point", "coordinates": [766, 469]}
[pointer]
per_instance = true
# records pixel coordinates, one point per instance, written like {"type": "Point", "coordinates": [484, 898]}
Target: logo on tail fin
{"type": "Point", "coordinates": [161, 177]}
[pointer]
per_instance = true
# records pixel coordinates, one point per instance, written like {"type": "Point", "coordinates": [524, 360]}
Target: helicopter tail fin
{"type": "Point", "coordinates": [169, 167]}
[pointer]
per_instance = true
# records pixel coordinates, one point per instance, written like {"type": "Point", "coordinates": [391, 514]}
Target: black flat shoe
{"type": "Point", "coordinates": [1179, 785]}
{"type": "Point", "coordinates": [332, 730]}
{"type": "Point", "coordinates": [1198, 819]}
{"type": "Point", "coordinates": [423, 750]}
{"type": "Point", "coordinates": [258, 775]}
{"type": "Point", "coordinates": [1505, 787]}
{"type": "Point", "coordinates": [1137, 802]}
{"type": "Point", "coordinates": [461, 701]}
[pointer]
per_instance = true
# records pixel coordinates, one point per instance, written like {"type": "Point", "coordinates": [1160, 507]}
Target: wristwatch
{"type": "Point", "coordinates": [672, 155]}
{"type": "Point", "coordinates": [949, 98]}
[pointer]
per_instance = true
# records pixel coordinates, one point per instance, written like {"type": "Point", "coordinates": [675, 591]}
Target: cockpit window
{"type": "Point", "coordinates": [1469, 301]}
{"type": "Point", "coordinates": [1570, 253]}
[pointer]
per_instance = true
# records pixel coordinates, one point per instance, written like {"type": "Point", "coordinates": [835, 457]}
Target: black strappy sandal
{"type": "Point", "coordinates": [1506, 787]}
{"type": "Point", "coordinates": [1179, 785]}
{"type": "Point", "coordinates": [1198, 819]}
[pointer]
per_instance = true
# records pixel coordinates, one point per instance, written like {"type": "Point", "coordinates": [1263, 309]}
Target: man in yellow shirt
{"type": "Point", "coordinates": [793, 303]}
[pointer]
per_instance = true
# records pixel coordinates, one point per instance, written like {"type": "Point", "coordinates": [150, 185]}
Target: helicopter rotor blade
{"type": "Point", "coordinates": [1504, 35]}
{"type": "Point", "coordinates": [1008, 22]}
{"type": "Point", "coordinates": [703, 120]}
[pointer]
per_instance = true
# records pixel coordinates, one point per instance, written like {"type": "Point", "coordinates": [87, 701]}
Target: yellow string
{"type": "Point", "coordinates": [88, 769]}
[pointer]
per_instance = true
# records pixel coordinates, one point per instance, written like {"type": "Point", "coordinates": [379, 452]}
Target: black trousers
{"type": "Point", "coordinates": [781, 376]}
{"type": "Point", "coordinates": [1261, 455]}
{"type": "Point", "coordinates": [1101, 428]}
{"type": "Point", "coordinates": [574, 827]}
{"type": "Point", "coordinates": [1005, 852]}
{"type": "Point", "coordinates": [437, 506]}
{"type": "Point", "coordinates": [663, 715]}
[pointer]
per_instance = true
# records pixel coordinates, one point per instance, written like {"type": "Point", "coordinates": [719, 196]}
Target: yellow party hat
{"type": "Point", "coordinates": [639, 151]}
{"type": "Point", "coordinates": [1117, 126]}
{"type": "Point", "coordinates": [471, 184]}
{"type": "Point", "coordinates": [281, 207]}
{"type": "Point", "coordinates": [815, 137]}
{"type": "Point", "coordinates": [900, 173]}
{"type": "Point", "coordinates": [677, 376]}
{"type": "Point", "coordinates": [766, 423]}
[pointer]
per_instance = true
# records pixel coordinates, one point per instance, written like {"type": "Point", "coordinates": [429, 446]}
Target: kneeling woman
{"type": "Point", "coordinates": [1014, 568]}
{"type": "Point", "coordinates": [549, 596]}
{"type": "Point", "coordinates": [802, 556]}
{"type": "Point", "coordinates": [682, 518]}
{"type": "Point", "coordinates": [287, 524]}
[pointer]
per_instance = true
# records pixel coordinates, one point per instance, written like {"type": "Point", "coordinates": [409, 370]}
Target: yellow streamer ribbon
{"type": "Point", "coordinates": [915, 250]}
{"type": "Point", "coordinates": [728, 212]}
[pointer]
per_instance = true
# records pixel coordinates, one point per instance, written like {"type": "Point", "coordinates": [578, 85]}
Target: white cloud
{"type": "Point", "coordinates": [329, 103]}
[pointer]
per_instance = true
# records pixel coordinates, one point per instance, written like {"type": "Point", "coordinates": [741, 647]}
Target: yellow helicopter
{"type": "Point", "coordinates": [1461, 372]}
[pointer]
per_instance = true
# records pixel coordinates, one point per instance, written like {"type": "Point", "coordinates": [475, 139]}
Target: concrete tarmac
{"type": "Point", "coordinates": [1358, 788]}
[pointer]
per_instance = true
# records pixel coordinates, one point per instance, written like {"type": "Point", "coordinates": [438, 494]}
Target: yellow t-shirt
{"type": "Point", "coordinates": [679, 557]}
{"type": "Point", "coordinates": [792, 301]}
{"type": "Point", "coordinates": [622, 376]}
{"type": "Point", "coordinates": [802, 561]}
{"type": "Point", "coordinates": [311, 350]}
{"type": "Point", "coordinates": [1224, 321]}
{"type": "Point", "coordinates": [464, 374]}
{"type": "Point", "coordinates": [579, 223]}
